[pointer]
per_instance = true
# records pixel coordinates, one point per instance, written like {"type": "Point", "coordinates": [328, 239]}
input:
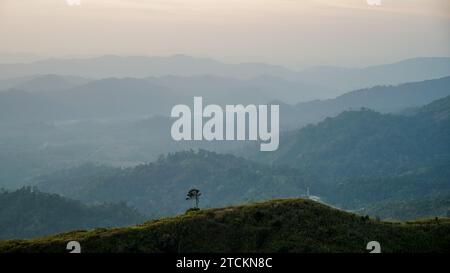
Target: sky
{"type": "Point", "coordinates": [286, 32]}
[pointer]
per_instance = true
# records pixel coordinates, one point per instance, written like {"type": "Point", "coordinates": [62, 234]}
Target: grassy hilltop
{"type": "Point", "coordinates": [288, 225]}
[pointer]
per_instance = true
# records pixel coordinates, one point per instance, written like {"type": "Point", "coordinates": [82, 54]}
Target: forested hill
{"type": "Point", "coordinates": [353, 160]}
{"type": "Point", "coordinates": [27, 213]}
{"type": "Point", "coordinates": [159, 188]}
{"type": "Point", "coordinates": [367, 143]}
{"type": "Point", "coordinates": [411, 209]}
{"type": "Point", "coordinates": [294, 225]}
{"type": "Point", "coordinates": [365, 158]}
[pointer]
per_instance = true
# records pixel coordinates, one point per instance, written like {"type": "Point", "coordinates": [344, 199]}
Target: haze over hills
{"type": "Point", "coordinates": [156, 188]}
{"type": "Point", "coordinates": [128, 97]}
{"type": "Point", "coordinates": [379, 164]}
{"type": "Point", "coordinates": [360, 160]}
{"type": "Point", "coordinates": [51, 82]}
{"type": "Point", "coordinates": [141, 67]}
{"type": "Point", "coordinates": [253, 90]}
{"type": "Point", "coordinates": [132, 97]}
{"type": "Point", "coordinates": [336, 80]}
{"type": "Point", "coordinates": [365, 157]}
{"type": "Point", "coordinates": [106, 120]}
{"type": "Point", "coordinates": [32, 148]}
{"type": "Point", "coordinates": [369, 143]}
{"type": "Point", "coordinates": [42, 83]}
{"type": "Point", "coordinates": [352, 160]}
{"type": "Point", "coordinates": [106, 98]}
{"type": "Point", "coordinates": [101, 125]}
{"type": "Point", "coordinates": [385, 99]}
{"type": "Point", "coordinates": [109, 121]}
{"type": "Point", "coordinates": [410, 70]}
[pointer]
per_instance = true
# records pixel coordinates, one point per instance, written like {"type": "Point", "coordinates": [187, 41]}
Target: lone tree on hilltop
{"type": "Point", "coordinates": [194, 194]}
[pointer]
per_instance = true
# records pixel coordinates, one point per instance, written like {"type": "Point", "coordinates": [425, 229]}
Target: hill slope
{"type": "Point", "coordinates": [415, 209]}
{"type": "Point", "coordinates": [294, 225]}
{"type": "Point", "coordinates": [27, 213]}
{"type": "Point", "coordinates": [367, 157]}
{"type": "Point", "coordinates": [367, 143]}
{"type": "Point", "coordinates": [384, 99]}
{"type": "Point", "coordinates": [156, 188]}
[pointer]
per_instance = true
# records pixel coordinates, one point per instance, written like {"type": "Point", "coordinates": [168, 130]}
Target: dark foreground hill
{"type": "Point", "coordinates": [290, 225]}
{"type": "Point", "coordinates": [27, 213]}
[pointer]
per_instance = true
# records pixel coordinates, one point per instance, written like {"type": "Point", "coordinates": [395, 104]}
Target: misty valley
{"type": "Point", "coordinates": [96, 151]}
{"type": "Point", "coordinates": [225, 135]}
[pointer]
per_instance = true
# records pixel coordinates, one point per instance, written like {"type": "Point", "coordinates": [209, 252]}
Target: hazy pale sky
{"type": "Point", "coordinates": [288, 32]}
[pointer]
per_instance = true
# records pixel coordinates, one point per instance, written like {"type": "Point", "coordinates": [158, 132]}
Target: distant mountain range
{"type": "Point", "coordinates": [132, 97]}
{"type": "Point", "coordinates": [410, 70]}
{"type": "Point", "coordinates": [217, 88]}
{"type": "Point", "coordinates": [141, 67]}
{"type": "Point", "coordinates": [385, 99]}
{"type": "Point", "coordinates": [335, 79]}
{"type": "Point", "coordinates": [43, 83]}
